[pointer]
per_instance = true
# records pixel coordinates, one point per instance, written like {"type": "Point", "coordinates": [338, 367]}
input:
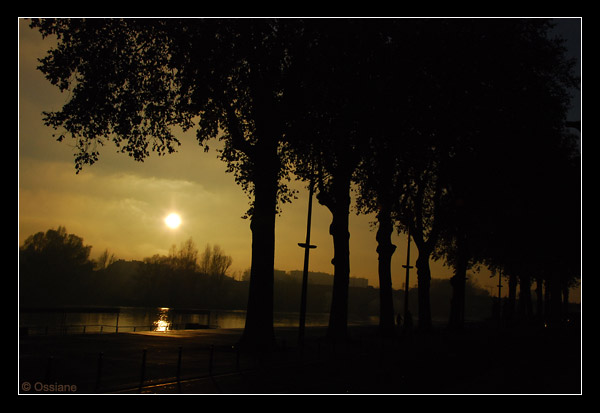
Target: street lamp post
{"type": "Point", "coordinates": [307, 247]}
{"type": "Point", "coordinates": [500, 295]}
{"type": "Point", "coordinates": [407, 316]}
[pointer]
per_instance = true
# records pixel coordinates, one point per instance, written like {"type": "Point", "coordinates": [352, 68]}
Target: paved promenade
{"type": "Point", "coordinates": [477, 360]}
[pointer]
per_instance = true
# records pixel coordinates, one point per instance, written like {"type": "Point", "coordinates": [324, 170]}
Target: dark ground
{"type": "Point", "coordinates": [481, 359]}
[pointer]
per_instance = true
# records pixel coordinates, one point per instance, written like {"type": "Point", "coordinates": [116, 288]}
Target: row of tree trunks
{"type": "Point", "coordinates": [552, 300]}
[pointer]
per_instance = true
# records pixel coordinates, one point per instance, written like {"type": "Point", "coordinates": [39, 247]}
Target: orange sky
{"type": "Point", "coordinates": [121, 204]}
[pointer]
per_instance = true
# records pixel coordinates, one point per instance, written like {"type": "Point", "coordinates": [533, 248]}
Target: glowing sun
{"type": "Point", "coordinates": [173, 220]}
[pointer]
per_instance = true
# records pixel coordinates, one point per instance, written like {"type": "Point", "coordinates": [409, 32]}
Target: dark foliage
{"type": "Point", "coordinates": [454, 128]}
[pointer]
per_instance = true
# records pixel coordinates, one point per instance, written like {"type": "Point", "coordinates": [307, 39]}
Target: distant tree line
{"type": "Point", "coordinates": [56, 271]}
{"type": "Point", "coordinates": [452, 130]}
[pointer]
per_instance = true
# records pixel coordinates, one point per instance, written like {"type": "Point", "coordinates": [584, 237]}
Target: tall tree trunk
{"type": "Point", "coordinates": [556, 307]}
{"type": "Point", "coordinates": [458, 282]}
{"type": "Point", "coordinates": [539, 296]}
{"type": "Point", "coordinates": [424, 284]}
{"type": "Point", "coordinates": [338, 203]}
{"type": "Point", "coordinates": [385, 250]}
{"type": "Point", "coordinates": [547, 300]}
{"type": "Point", "coordinates": [525, 310]}
{"type": "Point", "coordinates": [258, 332]}
{"type": "Point", "coordinates": [337, 200]}
{"type": "Point", "coordinates": [565, 295]}
{"type": "Point", "coordinates": [512, 298]}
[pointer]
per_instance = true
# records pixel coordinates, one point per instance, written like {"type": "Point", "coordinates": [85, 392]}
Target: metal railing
{"type": "Point", "coordinates": [149, 369]}
{"type": "Point", "coordinates": [104, 328]}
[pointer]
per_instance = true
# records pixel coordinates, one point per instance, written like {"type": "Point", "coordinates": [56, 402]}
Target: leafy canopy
{"type": "Point", "coordinates": [132, 81]}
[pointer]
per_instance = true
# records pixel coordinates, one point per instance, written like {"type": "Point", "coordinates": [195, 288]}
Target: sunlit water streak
{"type": "Point", "coordinates": [162, 319]}
{"type": "Point", "coordinates": [162, 324]}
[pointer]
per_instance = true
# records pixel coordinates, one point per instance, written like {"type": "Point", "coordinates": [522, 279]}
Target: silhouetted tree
{"type": "Point", "coordinates": [186, 258]}
{"type": "Point", "coordinates": [327, 131]}
{"type": "Point", "coordinates": [104, 260]}
{"type": "Point", "coordinates": [378, 174]}
{"type": "Point", "coordinates": [431, 106]}
{"type": "Point", "coordinates": [181, 278]}
{"type": "Point", "coordinates": [214, 262]}
{"type": "Point", "coordinates": [558, 247]}
{"type": "Point", "coordinates": [501, 102]}
{"type": "Point", "coordinates": [132, 80]}
{"type": "Point", "coordinates": [427, 145]}
{"type": "Point", "coordinates": [52, 267]}
{"type": "Point", "coordinates": [378, 191]}
{"type": "Point", "coordinates": [419, 211]}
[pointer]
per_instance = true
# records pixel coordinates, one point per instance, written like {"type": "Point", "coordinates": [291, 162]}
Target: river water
{"type": "Point", "coordinates": [131, 319]}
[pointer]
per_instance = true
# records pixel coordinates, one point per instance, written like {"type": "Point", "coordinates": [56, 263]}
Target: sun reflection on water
{"type": "Point", "coordinates": [162, 324]}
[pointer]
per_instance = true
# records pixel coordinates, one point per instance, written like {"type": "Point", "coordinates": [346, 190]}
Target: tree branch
{"type": "Point", "coordinates": [236, 132]}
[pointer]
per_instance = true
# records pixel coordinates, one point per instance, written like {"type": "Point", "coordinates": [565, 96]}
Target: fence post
{"type": "Point", "coordinates": [99, 372]}
{"type": "Point", "coordinates": [49, 369]}
{"type": "Point", "coordinates": [143, 370]}
{"type": "Point", "coordinates": [210, 360]}
{"type": "Point", "coordinates": [319, 348]}
{"type": "Point", "coordinates": [179, 364]}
